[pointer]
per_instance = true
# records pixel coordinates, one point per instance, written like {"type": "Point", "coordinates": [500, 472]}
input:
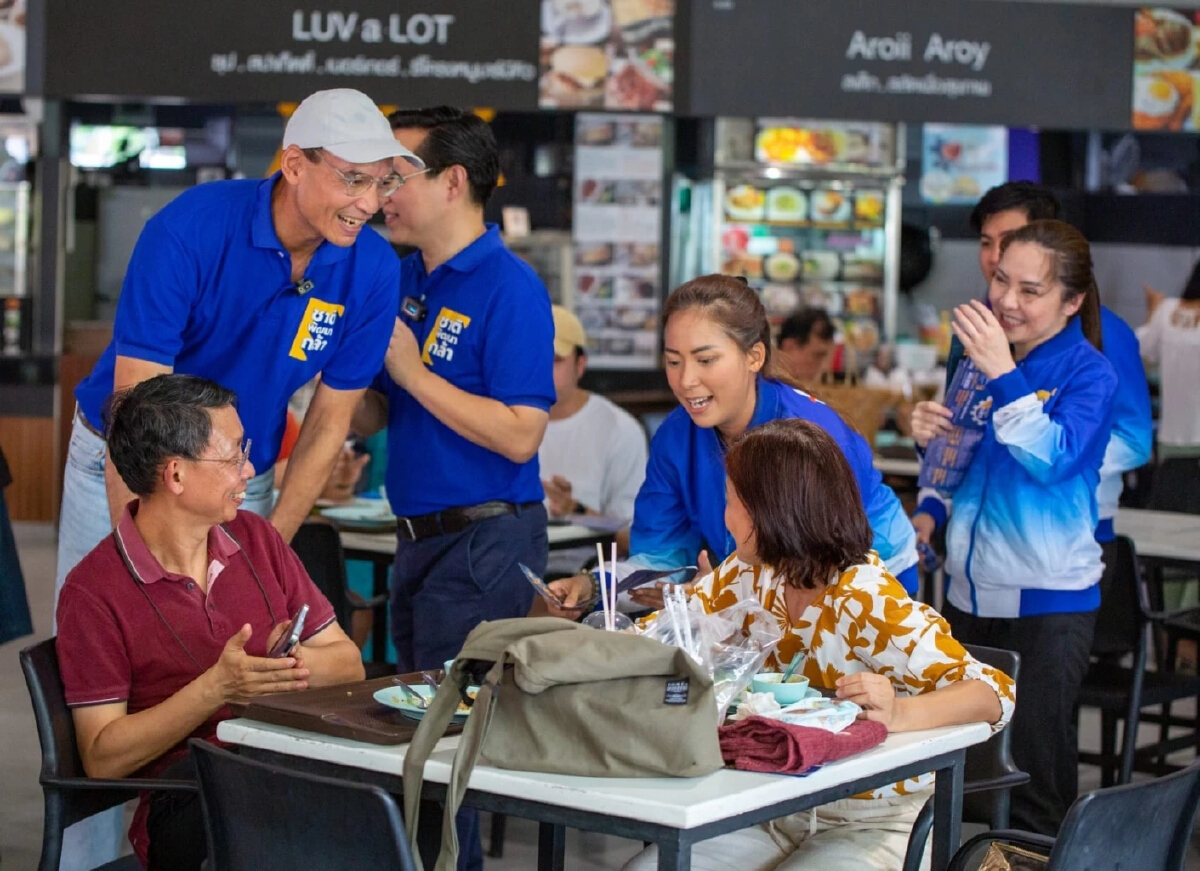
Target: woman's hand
{"type": "Point", "coordinates": [875, 695]}
{"type": "Point", "coordinates": [574, 594]}
{"type": "Point", "coordinates": [930, 419]}
{"type": "Point", "coordinates": [652, 597]}
{"type": "Point", "coordinates": [924, 524]}
{"type": "Point", "coordinates": [983, 339]}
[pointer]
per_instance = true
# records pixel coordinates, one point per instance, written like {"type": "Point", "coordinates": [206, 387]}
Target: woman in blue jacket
{"type": "Point", "coordinates": [718, 360]}
{"type": "Point", "coordinates": [1022, 559]}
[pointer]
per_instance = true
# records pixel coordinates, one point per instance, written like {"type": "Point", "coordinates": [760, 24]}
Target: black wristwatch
{"type": "Point", "coordinates": [579, 508]}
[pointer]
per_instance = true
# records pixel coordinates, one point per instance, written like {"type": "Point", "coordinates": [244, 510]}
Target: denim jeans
{"type": "Point", "coordinates": [82, 524]}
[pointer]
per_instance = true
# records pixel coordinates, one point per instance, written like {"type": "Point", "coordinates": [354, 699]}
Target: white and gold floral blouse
{"type": "Point", "coordinates": [863, 621]}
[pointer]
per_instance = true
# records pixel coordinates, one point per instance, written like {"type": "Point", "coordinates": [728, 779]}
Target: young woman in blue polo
{"type": "Point", "coordinates": [717, 354]}
{"type": "Point", "coordinates": [1023, 563]}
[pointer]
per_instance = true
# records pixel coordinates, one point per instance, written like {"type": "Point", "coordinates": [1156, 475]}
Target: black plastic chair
{"type": "Point", "coordinates": [1136, 825]}
{"type": "Point", "coordinates": [989, 775]}
{"type": "Point", "coordinates": [259, 816]}
{"type": "Point", "coordinates": [1124, 626]}
{"type": "Point", "coordinates": [319, 546]}
{"type": "Point", "coordinates": [70, 795]}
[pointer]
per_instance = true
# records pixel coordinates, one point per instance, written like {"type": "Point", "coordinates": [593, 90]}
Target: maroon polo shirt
{"type": "Point", "coordinates": [113, 646]}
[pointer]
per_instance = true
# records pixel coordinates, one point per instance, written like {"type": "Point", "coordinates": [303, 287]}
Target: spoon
{"type": "Point", "coordinates": [430, 681]}
{"type": "Point", "coordinates": [418, 699]}
{"type": "Point", "coordinates": [791, 668]}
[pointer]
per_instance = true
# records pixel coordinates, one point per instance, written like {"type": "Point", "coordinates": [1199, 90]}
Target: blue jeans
{"type": "Point", "coordinates": [445, 586]}
{"type": "Point", "coordinates": [82, 524]}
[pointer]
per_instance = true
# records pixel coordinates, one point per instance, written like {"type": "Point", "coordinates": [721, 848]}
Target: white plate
{"type": "Point", "coordinates": [396, 697]}
{"type": "Point", "coordinates": [381, 513]}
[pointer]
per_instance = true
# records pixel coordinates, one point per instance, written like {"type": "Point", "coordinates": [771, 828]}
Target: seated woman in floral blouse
{"type": "Point", "coordinates": [802, 552]}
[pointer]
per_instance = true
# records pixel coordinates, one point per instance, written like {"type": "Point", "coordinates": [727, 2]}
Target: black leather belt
{"type": "Point", "coordinates": [79, 415]}
{"type": "Point", "coordinates": [454, 520]}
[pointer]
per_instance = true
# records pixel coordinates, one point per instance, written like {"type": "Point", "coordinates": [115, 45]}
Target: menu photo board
{"type": "Point", "coordinates": [1166, 70]}
{"type": "Point", "coordinates": [12, 46]}
{"type": "Point", "coordinates": [617, 228]}
{"type": "Point", "coordinates": [607, 54]}
{"type": "Point", "coordinates": [400, 52]}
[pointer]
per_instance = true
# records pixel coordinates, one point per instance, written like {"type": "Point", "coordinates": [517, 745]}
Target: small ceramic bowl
{"type": "Point", "coordinates": [785, 693]}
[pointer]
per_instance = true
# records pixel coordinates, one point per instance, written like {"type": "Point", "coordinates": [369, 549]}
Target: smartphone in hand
{"type": "Point", "coordinates": [291, 635]}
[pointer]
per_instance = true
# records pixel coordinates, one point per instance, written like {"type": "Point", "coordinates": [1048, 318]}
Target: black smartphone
{"type": "Point", "coordinates": [291, 635]}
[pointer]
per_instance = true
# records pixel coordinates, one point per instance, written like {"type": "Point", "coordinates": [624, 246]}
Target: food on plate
{"type": "Point", "coordinates": [1162, 35]}
{"type": "Point", "coordinates": [735, 239]}
{"type": "Point", "coordinates": [798, 145]}
{"type": "Point", "coordinates": [863, 302]}
{"type": "Point", "coordinates": [745, 202]}
{"type": "Point", "coordinates": [1162, 101]}
{"type": "Point", "coordinates": [780, 299]}
{"type": "Point", "coordinates": [868, 207]}
{"type": "Point", "coordinates": [859, 268]}
{"type": "Point", "coordinates": [821, 265]}
{"type": "Point", "coordinates": [830, 206]}
{"type": "Point", "coordinates": [966, 187]}
{"type": "Point", "coordinates": [786, 204]}
{"type": "Point", "coordinates": [599, 134]}
{"type": "Point", "coordinates": [742, 264]}
{"type": "Point", "coordinates": [643, 255]}
{"type": "Point", "coordinates": [594, 255]}
{"type": "Point", "coordinates": [575, 21]}
{"type": "Point", "coordinates": [647, 134]}
{"type": "Point", "coordinates": [576, 75]}
{"type": "Point", "coordinates": [629, 11]}
{"type": "Point", "coordinates": [782, 266]}
{"type": "Point", "coordinates": [634, 86]}
{"type": "Point", "coordinates": [660, 62]}
{"type": "Point", "coordinates": [862, 335]}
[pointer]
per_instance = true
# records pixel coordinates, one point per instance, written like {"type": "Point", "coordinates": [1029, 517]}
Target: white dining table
{"type": "Point", "coordinates": [358, 545]}
{"type": "Point", "coordinates": [674, 813]}
{"type": "Point", "coordinates": [903, 468]}
{"type": "Point", "coordinates": [1164, 538]}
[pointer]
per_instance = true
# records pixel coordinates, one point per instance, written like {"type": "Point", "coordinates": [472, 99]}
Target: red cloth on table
{"type": "Point", "coordinates": [759, 744]}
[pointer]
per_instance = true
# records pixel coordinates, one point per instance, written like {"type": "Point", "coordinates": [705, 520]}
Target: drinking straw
{"type": "Point", "coordinates": [603, 587]}
{"type": "Point", "coordinates": [612, 586]}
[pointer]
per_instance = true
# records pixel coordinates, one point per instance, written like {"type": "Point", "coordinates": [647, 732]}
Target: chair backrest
{"type": "Point", "coordinates": [260, 816]}
{"type": "Point", "coordinates": [1137, 825]}
{"type": "Point", "coordinates": [993, 758]}
{"type": "Point", "coordinates": [61, 765]}
{"type": "Point", "coordinates": [1122, 606]}
{"type": "Point", "coordinates": [319, 547]}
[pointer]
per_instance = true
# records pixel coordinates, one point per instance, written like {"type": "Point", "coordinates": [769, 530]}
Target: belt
{"type": "Point", "coordinates": [79, 416]}
{"type": "Point", "coordinates": [453, 520]}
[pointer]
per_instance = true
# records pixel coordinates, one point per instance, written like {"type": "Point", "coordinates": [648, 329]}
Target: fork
{"type": "Point", "coordinates": [419, 700]}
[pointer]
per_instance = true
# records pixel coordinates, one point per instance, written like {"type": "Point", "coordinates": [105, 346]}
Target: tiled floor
{"type": "Point", "coordinates": [21, 807]}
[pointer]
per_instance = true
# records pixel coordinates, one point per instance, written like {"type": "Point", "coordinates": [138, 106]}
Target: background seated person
{"type": "Point", "coordinates": [170, 618]}
{"type": "Point", "coordinates": [593, 455]}
{"type": "Point", "coordinates": [806, 343]}
{"type": "Point", "coordinates": [802, 551]}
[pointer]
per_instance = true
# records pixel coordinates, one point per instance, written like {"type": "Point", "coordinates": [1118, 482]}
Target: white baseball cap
{"type": "Point", "coordinates": [347, 124]}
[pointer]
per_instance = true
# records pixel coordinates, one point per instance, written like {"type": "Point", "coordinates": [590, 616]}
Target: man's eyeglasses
{"type": "Point", "coordinates": [358, 183]}
{"type": "Point", "coordinates": [239, 461]}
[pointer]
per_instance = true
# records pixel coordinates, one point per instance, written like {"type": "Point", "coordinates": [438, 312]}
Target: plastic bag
{"type": "Point", "coordinates": [731, 644]}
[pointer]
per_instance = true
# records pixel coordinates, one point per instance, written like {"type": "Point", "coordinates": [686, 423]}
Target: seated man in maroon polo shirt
{"type": "Point", "coordinates": [171, 617]}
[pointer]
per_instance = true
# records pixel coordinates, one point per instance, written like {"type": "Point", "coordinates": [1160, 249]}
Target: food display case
{"type": "Point", "coordinates": [551, 254]}
{"type": "Point", "coordinates": [808, 212]}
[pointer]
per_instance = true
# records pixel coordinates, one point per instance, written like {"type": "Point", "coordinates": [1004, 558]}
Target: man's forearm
{"type": "Point", "coordinates": [130, 742]}
{"type": "Point", "coordinates": [486, 422]}
{"type": "Point", "coordinates": [332, 664]}
{"type": "Point", "coordinates": [371, 414]}
{"type": "Point", "coordinates": [308, 469]}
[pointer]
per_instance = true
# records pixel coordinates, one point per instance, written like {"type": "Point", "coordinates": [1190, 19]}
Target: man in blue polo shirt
{"type": "Point", "coordinates": [465, 393]}
{"type": "Point", "coordinates": [259, 286]}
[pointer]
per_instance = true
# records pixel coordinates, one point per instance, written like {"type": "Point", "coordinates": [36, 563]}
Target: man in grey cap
{"type": "Point", "coordinates": [259, 286]}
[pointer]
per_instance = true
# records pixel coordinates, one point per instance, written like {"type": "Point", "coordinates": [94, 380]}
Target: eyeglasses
{"type": "Point", "coordinates": [239, 461]}
{"type": "Point", "coordinates": [358, 183]}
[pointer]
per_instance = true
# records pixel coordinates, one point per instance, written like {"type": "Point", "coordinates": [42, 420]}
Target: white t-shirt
{"type": "Point", "coordinates": [601, 450]}
{"type": "Point", "coordinates": [1171, 340]}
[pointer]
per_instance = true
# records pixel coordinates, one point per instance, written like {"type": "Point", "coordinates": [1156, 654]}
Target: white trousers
{"type": "Point", "coordinates": [848, 835]}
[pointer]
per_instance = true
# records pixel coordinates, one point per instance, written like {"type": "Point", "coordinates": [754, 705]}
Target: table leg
{"type": "Point", "coordinates": [379, 633]}
{"type": "Point", "coordinates": [674, 856]}
{"type": "Point", "coordinates": [947, 812]}
{"type": "Point", "coordinates": [552, 847]}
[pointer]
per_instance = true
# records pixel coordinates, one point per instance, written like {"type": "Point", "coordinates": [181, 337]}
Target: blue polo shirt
{"type": "Point", "coordinates": [209, 292]}
{"type": "Point", "coordinates": [488, 331]}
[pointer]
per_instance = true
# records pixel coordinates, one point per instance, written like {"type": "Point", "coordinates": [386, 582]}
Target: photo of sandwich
{"type": "Point", "coordinates": [574, 77]}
